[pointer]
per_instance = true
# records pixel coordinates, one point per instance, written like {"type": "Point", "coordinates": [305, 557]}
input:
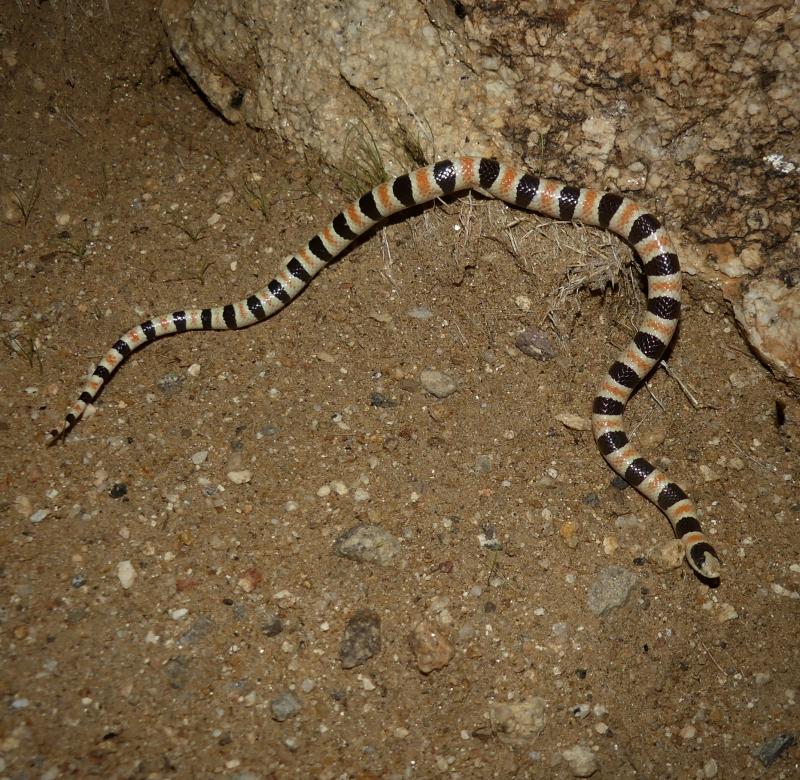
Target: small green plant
{"type": "Point", "coordinates": [414, 145]}
{"type": "Point", "coordinates": [255, 195]}
{"type": "Point", "coordinates": [25, 202]}
{"type": "Point", "coordinates": [76, 248]}
{"type": "Point", "coordinates": [25, 344]}
{"type": "Point", "coordinates": [362, 166]}
{"type": "Point", "coordinates": [194, 234]}
{"type": "Point", "coordinates": [192, 274]}
{"type": "Point", "coordinates": [413, 148]}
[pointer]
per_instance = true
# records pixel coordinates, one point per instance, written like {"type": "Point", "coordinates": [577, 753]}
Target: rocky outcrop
{"type": "Point", "coordinates": [691, 107]}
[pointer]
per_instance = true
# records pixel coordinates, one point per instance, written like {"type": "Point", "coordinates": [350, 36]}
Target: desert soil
{"type": "Point", "coordinates": [175, 603]}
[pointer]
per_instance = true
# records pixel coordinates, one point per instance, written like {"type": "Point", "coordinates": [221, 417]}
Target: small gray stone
{"type": "Point", "coordinates": [272, 625]}
{"type": "Point", "coordinates": [78, 581]}
{"type": "Point", "coordinates": [284, 706]}
{"type": "Point", "coordinates": [367, 542]}
{"type": "Point", "coordinates": [611, 589]}
{"type": "Point", "coordinates": [535, 344]}
{"type": "Point", "coordinates": [483, 464]}
{"type": "Point", "coordinates": [198, 631]}
{"type": "Point", "coordinates": [437, 383]}
{"type": "Point", "coordinates": [771, 751]}
{"type": "Point", "coordinates": [362, 639]}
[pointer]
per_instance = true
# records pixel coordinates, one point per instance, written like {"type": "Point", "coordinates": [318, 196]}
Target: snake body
{"type": "Point", "coordinates": [555, 199]}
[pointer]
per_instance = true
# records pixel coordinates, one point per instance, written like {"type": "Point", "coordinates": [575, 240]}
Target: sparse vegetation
{"type": "Point", "coordinates": [255, 195]}
{"type": "Point", "coordinates": [26, 344]}
{"type": "Point", "coordinates": [25, 200]}
{"type": "Point", "coordinates": [414, 146]}
{"type": "Point", "coordinates": [192, 232]}
{"type": "Point", "coordinates": [362, 166]}
{"type": "Point", "coordinates": [76, 248]}
{"type": "Point", "coordinates": [197, 274]}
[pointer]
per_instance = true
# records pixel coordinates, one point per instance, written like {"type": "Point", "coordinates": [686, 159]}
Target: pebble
{"type": "Point", "coordinates": [361, 640]}
{"type": "Point", "coordinates": [574, 422]}
{"type": "Point", "coordinates": [39, 515]}
{"type": "Point", "coordinates": [199, 457]}
{"type": "Point", "coordinates": [199, 630]}
{"type": "Point", "coordinates": [240, 476]}
{"type": "Point", "coordinates": [523, 303]}
{"type": "Point", "coordinates": [667, 555]}
{"type": "Point", "coordinates": [339, 487]}
{"type": "Point", "coordinates": [284, 706]}
{"type": "Point", "coordinates": [708, 474]}
{"type": "Point", "coordinates": [627, 522]}
{"type": "Point", "coordinates": [518, 722]}
{"type": "Point", "coordinates": [582, 760]}
{"type": "Point", "coordinates": [569, 533]}
{"type": "Point", "coordinates": [118, 490]}
{"type": "Point", "coordinates": [710, 769]}
{"type": "Point", "coordinates": [420, 313]}
{"type": "Point", "coordinates": [307, 685]}
{"type": "Point", "coordinates": [779, 590]}
{"type": "Point", "coordinates": [250, 580]}
{"type": "Point", "coordinates": [771, 751]}
{"type": "Point", "coordinates": [431, 649]}
{"type": "Point", "coordinates": [726, 612]}
{"type": "Point", "coordinates": [688, 732]}
{"type": "Point", "coordinates": [272, 625]}
{"type": "Point", "coordinates": [367, 543]}
{"type": "Point", "coordinates": [535, 344]}
{"type": "Point", "coordinates": [610, 544]}
{"type": "Point", "coordinates": [580, 711]}
{"type": "Point", "coordinates": [610, 589]}
{"type": "Point", "coordinates": [126, 574]}
{"type": "Point", "coordinates": [437, 383]}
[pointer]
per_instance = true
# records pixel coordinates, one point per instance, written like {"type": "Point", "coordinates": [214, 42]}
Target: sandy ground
{"type": "Point", "coordinates": [173, 604]}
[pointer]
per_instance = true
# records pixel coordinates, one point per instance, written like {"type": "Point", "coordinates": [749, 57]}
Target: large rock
{"type": "Point", "coordinates": [697, 112]}
{"type": "Point", "coordinates": [769, 312]}
{"type": "Point", "coordinates": [316, 72]}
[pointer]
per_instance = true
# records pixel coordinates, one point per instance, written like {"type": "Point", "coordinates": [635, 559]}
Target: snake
{"type": "Point", "coordinates": [519, 188]}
